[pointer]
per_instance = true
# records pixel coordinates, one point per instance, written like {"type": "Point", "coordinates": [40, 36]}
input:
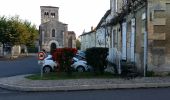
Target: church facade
{"type": "Point", "coordinates": [52, 31]}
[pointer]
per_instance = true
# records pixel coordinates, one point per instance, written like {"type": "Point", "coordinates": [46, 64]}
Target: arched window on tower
{"type": "Point", "coordinates": [53, 33]}
{"type": "Point", "coordinates": [46, 14]}
{"type": "Point", "coordinates": [52, 15]}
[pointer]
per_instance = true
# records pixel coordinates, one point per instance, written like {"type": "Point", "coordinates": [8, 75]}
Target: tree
{"type": "Point", "coordinates": [3, 30]}
{"type": "Point", "coordinates": [33, 33]}
{"type": "Point", "coordinates": [78, 44]}
{"type": "Point", "coordinates": [14, 31]}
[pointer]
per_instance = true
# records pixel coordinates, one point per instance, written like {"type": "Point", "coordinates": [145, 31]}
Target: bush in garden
{"type": "Point", "coordinates": [96, 57]}
{"type": "Point", "coordinates": [63, 57]}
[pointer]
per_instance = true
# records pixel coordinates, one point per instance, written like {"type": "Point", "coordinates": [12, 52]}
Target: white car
{"type": "Point", "coordinates": [48, 64]}
{"type": "Point", "coordinates": [80, 65]}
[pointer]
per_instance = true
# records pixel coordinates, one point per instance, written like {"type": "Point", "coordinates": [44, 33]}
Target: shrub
{"type": "Point", "coordinates": [32, 49]}
{"type": "Point", "coordinates": [150, 73]}
{"type": "Point", "coordinates": [96, 57]}
{"type": "Point", "coordinates": [63, 56]}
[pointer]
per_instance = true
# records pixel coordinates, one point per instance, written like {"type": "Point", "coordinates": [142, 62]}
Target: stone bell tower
{"type": "Point", "coordinates": [49, 13]}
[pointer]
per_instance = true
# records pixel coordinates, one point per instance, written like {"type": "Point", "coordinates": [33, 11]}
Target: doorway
{"type": "Point", "coordinates": [53, 47]}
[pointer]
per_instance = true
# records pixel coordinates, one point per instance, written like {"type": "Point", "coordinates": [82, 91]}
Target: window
{"type": "Point", "coordinates": [46, 14]}
{"type": "Point", "coordinates": [115, 36]}
{"type": "Point", "coordinates": [43, 33]}
{"type": "Point", "coordinates": [53, 33]}
{"type": "Point", "coordinates": [52, 15]}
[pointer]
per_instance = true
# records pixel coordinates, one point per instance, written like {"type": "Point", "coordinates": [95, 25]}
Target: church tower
{"type": "Point", "coordinates": [51, 29]}
{"type": "Point", "coordinates": [49, 13]}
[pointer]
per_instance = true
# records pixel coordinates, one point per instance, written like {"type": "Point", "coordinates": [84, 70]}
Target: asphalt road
{"type": "Point", "coordinates": [29, 65]}
{"type": "Point", "coordinates": [19, 66]}
{"type": "Point", "coordinates": [123, 94]}
{"type": "Point", "coordinates": [24, 65]}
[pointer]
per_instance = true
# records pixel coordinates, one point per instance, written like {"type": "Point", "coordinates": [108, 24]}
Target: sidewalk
{"type": "Point", "coordinates": [22, 84]}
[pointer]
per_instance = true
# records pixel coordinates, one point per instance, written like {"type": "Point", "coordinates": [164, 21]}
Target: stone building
{"type": "Point", "coordinates": [51, 29]}
{"type": "Point", "coordinates": [158, 35]}
{"type": "Point", "coordinates": [70, 39]}
{"type": "Point", "coordinates": [140, 33]}
{"type": "Point", "coordinates": [88, 40]}
{"type": "Point", "coordinates": [98, 36]}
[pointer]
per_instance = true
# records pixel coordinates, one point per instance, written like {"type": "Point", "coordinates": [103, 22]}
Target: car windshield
{"type": "Point", "coordinates": [79, 57]}
{"type": "Point", "coordinates": [81, 53]}
{"type": "Point", "coordinates": [49, 59]}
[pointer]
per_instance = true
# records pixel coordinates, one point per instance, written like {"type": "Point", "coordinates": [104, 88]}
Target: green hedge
{"type": "Point", "coordinates": [32, 49]}
{"type": "Point", "coordinates": [96, 57]}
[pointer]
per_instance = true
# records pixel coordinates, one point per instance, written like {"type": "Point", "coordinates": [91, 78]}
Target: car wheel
{"type": "Point", "coordinates": [80, 69]}
{"type": "Point", "coordinates": [47, 69]}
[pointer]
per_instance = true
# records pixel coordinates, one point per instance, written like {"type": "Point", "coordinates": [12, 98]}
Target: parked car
{"type": "Point", "coordinates": [81, 53]}
{"type": "Point", "coordinates": [49, 64]}
{"type": "Point", "coordinates": [80, 64]}
{"type": "Point", "coordinates": [78, 57]}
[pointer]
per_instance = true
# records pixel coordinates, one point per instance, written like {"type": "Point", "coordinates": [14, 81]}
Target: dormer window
{"type": "Point", "coordinates": [52, 15]}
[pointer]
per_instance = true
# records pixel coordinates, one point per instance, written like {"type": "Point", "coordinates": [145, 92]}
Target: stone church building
{"type": "Point", "coordinates": [53, 33]}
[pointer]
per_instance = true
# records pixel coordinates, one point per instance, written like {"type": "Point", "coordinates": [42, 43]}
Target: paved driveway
{"type": "Point", "coordinates": [24, 65]}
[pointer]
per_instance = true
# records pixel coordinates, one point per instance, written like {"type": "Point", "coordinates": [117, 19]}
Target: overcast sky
{"type": "Point", "coordinates": [78, 14]}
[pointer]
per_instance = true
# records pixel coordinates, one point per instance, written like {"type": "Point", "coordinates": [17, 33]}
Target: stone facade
{"type": "Point", "coordinates": [97, 37]}
{"type": "Point", "coordinates": [135, 31]}
{"type": "Point", "coordinates": [51, 29]}
{"type": "Point", "coordinates": [140, 33]}
{"type": "Point", "coordinates": [88, 40]}
{"type": "Point", "coordinates": [70, 39]}
{"type": "Point", "coordinates": [158, 37]}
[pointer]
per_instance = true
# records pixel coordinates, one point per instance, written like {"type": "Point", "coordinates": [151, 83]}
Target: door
{"type": "Point", "coordinates": [53, 47]}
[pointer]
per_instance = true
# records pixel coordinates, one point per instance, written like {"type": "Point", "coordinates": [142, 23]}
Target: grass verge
{"type": "Point", "coordinates": [63, 76]}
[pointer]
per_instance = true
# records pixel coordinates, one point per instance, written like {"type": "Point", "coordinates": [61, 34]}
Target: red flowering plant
{"type": "Point", "coordinates": [63, 57]}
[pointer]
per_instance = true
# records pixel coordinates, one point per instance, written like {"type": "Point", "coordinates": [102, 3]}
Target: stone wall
{"type": "Point", "coordinates": [49, 13]}
{"type": "Point", "coordinates": [70, 39]}
{"type": "Point", "coordinates": [159, 43]}
{"type": "Point", "coordinates": [16, 50]}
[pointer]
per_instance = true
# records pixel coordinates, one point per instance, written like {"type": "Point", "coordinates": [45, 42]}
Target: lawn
{"type": "Point", "coordinates": [62, 76]}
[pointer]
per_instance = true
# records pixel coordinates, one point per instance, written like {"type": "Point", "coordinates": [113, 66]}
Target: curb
{"type": "Point", "coordinates": [85, 87]}
{"type": "Point", "coordinates": [20, 83]}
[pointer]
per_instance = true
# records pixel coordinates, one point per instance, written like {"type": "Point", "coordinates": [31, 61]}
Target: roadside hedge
{"type": "Point", "coordinates": [96, 57]}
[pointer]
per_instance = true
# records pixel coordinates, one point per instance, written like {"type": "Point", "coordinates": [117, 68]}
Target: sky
{"type": "Point", "coordinates": [80, 15]}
